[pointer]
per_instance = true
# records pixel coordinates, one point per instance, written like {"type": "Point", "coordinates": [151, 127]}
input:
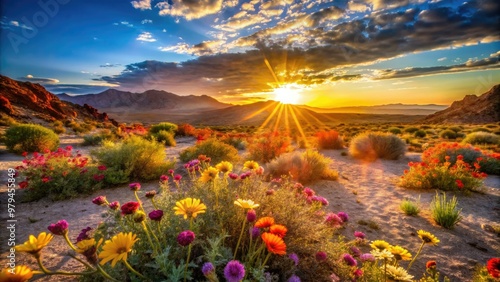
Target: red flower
{"type": "Point", "coordinates": [102, 167]}
{"type": "Point", "coordinates": [129, 208]}
{"type": "Point", "coordinates": [460, 157]}
{"type": "Point", "coordinates": [460, 184]}
{"type": "Point", "coordinates": [23, 184]}
{"type": "Point", "coordinates": [430, 264]}
{"type": "Point", "coordinates": [493, 266]}
{"type": "Point", "coordinates": [25, 154]}
{"type": "Point", "coordinates": [45, 179]}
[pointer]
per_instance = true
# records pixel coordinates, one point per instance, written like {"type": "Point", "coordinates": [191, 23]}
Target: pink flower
{"type": "Point", "coordinates": [177, 177]}
{"type": "Point", "coordinates": [185, 238]}
{"type": "Point", "coordinates": [333, 220]}
{"type": "Point", "coordinates": [309, 192]}
{"type": "Point", "coordinates": [114, 205]}
{"type": "Point", "coordinates": [100, 200]}
{"type": "Point", "coordinates": [171, 172]}
{"type": "Point", "coordinates": [321, 256]}
{"type": "Point", "coordinates": [134, 186]}
{"type": "Point", "coordinates": [233, 176]}
{"type": "Point", "coordinates": [359, 235]}
{"type": "Point", "coordinates": [102, 168]}
{"type": "Point", "coordinates": [59, 228]}
{"type": "Point", "coordinates": [251, 215]}
{"type": "Point", "coordinates": [164, 178]}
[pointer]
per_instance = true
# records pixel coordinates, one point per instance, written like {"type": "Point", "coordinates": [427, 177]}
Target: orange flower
{"type": "Point", "coordinates": [264, 222]}
{"type": "Point", "coordinates": [278, 230]}
{"type": "Point", "coordinates": [274, 244]}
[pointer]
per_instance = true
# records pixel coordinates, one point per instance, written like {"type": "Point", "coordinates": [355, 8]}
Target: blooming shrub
{"type": "Point", "coordinates": [373, 145]}
{"type": "Point", "coordinates": [59, 175]}
{"type": "Point", "coordinates": [329, 140]}
{"type": "Point", "coordinates": [304, 167]}
{"type": "Point", "coordinates": [266, 146]}
{"type": "Point", "coordinates": [134, 158]}
{"type": "Point", "coordinates": [486, 162]}
{"type": "Point", "coordinates": [30, 138]}
{"type": "Point", "coordinates": [213, 148]}
{"type": "Point", "coordinates": [185, 129]}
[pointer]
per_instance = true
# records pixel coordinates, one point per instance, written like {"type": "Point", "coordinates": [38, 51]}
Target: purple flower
{"type": "Point", "coordinates": [343, 216]}
{"type": "Point", "coordinates": [323, 201]}
{"type": "Point", "coordinates": [114, 205]}
{"type": "Point", "coordinates": [185, 238]}
{"type": "Point", "coordinates": [164, 178]}
{"type": "Point", "coordinates": [320, 256]}
{"type": "Point", "coordinates": [234, 271]}
{"type": "Point", "coordinates": [177, 177]}
{"type": "Point", "coordinates": [233, 176]}
{"type": "Point", "coordinates": [83, 234]}
{"type": "Point", "coordinates": [295, 258]}
{"type": "Point", "coordinates": [251, 215]}
{"type": "Point", "coordinates": [294, 278]}
{"type": "Point", "coordinates": [60, 228]}
{"type": "Point", "coordinates": [134, 186]}
{"type": "Point", "coordinates": [207, 268]}
{"type": "Point", "coordinates": [355, 251]}
{"type": "Point", "coordinates": [255, 232]}
{"type": "Point", "coordinates": [359, 235]}
{"type": "Point", "coordinates": [333, 219]}
{"type": "Point", "coordinates": [100, 200]}
{"type": "Point", "coordinates": [156, 215]}
{"type": "Point", "coordinates": [367, 257]}
{"type": "Point", "coordinates": [349, 260]}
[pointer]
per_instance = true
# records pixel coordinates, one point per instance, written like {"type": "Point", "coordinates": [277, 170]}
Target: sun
{"type": "Point", "coordinates": [288, 94]}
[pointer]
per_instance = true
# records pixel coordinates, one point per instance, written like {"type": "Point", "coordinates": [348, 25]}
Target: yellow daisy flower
{"type": "Point", "coordinates": [427, 237]}
{"type": "Point", "coordinates": [88, 248]}
{"type": "Point", "coordinates": [209, 174]}
{"type": "Point", "coordinates": [400, 253]}
{"type": "Point", "coordinates": [189, 208]}
{"type": "Point", "coordinates": [251, 165]}
{"type": "Point", "coordinates": [382, 254]}
{"type": "Point", "coordinates": [21, 273]}
{"type": "Point", "coordinates": [35, 244]}
{"type": "Point", "coordinates": [380, 245]}
{"type": "Point", "coordinates": [117, 248]}
{"type": "Point", "coordinates": [246, 204]}
{"type": "Point", "coordinates": [224, 167]}
{"type": "Point", "coordinates": [398, 273]}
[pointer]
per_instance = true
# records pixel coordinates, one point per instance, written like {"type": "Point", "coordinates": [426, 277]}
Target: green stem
{"type": "Point", "coordinates": [187, 262]}
{"type": "Point", "coordinates": [48, 272]}
{"type": "Point", "coordinates": [241, 236]}
{"type": "Point", "coordinates": [65, 235]}
{"type": "Point", "coordinates": [216, 195]}
{"type": "Point", "coordinates": [149, 237]}
{"type": "Point", "coordinates": [265, 260]}
{"type": "Point", "coordinates": [105, 274]}
{"type": "Point", "coordinates": [415, 257]}
{"type": "Point", "coordinates": [156, 238]}
{"type": "Point", "coordinates": [139, 201]}
{"type": "Point", "coordinates": [133, 270]}
{"type": "Point", "coordinates": [81, 261]}
{"type": "Point", "coordinates": [154, 204]}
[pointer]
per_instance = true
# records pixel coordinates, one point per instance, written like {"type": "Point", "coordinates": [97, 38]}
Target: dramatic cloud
{"type": "Point", "coordinates": [190, 9]}
{"type": "Point", "coordinates": [75, 89]}
{"type": "Point", "coordinates": [41, 80]}
{"type": "Point", "coordinates": [204, 48]}
{"type": "Point", "coordinates": [142, 4]}
{"type": "Point", "coordinates": [146, 37]}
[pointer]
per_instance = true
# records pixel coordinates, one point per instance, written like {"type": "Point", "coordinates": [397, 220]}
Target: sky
{"type": "Point", "coordinates": [321, 53]}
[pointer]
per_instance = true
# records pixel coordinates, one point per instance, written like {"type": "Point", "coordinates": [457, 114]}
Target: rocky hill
{"type": "Point", "coordinates": [471, 109]}
{"type": "Point", "coordinates": [26, 101]}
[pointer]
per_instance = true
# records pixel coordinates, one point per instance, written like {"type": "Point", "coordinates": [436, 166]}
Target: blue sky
{"type": "Point", "coordinates": [334, 53]}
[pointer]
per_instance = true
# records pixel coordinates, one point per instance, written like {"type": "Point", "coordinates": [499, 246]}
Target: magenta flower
{"type": "Point", "coordinates": [164, 178]}
{"type": "Point", "coordinates": [255, 232]}
{"type": "Point", "coordinates": [233, 176]}
{"type": "Point", "coordinates": [309, 192]}
{"type": "Point", "coordinates": [251, 215]}
{"type": "Point", "coordinates": [295, 258]}
{"type": "Point", "coordinates": [359, 235]}
{"type": "Point", "coordinates": [367, 257]}
{"type": "Point", "coordinates": [208, 269]}
{"type": "Point", "coordinates": [134, 186]}
{"type": "Point", "coordinates": [185, 238]}
{"type": "Point", "coordinates": [343, 216]}
{"type": "Point", "coordinates": [102, 168]}
{"type": "Point", "coordinates": [333, 220]}
{"type": "Point", "coordinates": [355, 251]}
{"type": "Point", "coordinates": [349, 260]}
{"type": "Point", "coordinates": [323, 201]}
{"type": "Point", "coordinates": [294, 278]}
{"type": "Point", "coordinates": [171, 171]}
{"type": "Point", "coordinates": [59, 228]}
{"type": "Point", "coordinates": [321, 256]}
{"type": "Point", "coordinates": [114, 205]}
{"type": "Point", "coordinates": [234, 271]}
{"type": "Point", "coordinates": [84, 234]}
{"type": "Point", "coordinates": [100, 200]}
{"type": "Point", "coordinates": [177, 177]}
{"type": "Point", "coordinates": [156, 215]}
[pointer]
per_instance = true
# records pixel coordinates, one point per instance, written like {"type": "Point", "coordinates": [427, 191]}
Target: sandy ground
{"type": "Point", "coordinates": [366, 191]}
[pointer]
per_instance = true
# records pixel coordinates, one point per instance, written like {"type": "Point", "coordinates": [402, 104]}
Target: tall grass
{"type": "Point", "coordinates": [410, 207]}
{"type": "Point", "coordinates": [444, 212]}
{"type": "Point", "coordinates": [373, 145]}
{"type": "Point", "coordinates": [329, 140]}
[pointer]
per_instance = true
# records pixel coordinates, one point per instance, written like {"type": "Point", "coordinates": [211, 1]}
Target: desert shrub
{"type": "Point", "coordinates": [444, 212]}
{"type": "Point", "coordinates": [482, 138]}
{"type": "Point", "coordinates": [411, 129]}
{"type": "Point", "coordinates": [480, 129]}
{"type": "Point", "coordinates": [395, 130]}
{"type": "Point", "coordinates": [6, 120]}
{"type": "Point", "coordinates": [329, 140]}
{"type": "Point", "coordinates": [213, 148]}
{"type": "Point", "coordinates": [133, 159]}
{"type": "Point", "coordinates": [443, 176]}
{"type": "Point", "coordinates": [98, 138]}
{"type": "Point", "coordinates": [425, 127]}
{"type": "Point", "coordinates": [238, 141]}
{"type": "Point", "coordinates": [410, 207]}
{"type": "Point", "coordinates": [420, 133]}
{"type": "Point", "coordinates": [185, 129]}
{"type": "Point", "coordinates": [486, 162]}
{"type": "Point", "coordinates": [373, 145]}
{"type": "Point", "coordinates": [59, 175]}
{"type": "Point", "coordinates": [165, 137]}
{"type": "Point", "coordinates": [304, 167]}
{"type": "Point", "coordinates": [166, 126]}
{"type": "Point", "coordinates": [30, 138]}
{"type": "Point", "coordinates": [266, 146]}
{"type": "Point", "coordinates": [448, 134]}
{"type": "Point", "coordinates": [203, 134]}
{"type": "Point", "coordinates": [490, 126]}
{"type": "Point", "coordinates": [455, 128]}
{"type": "Point", "coordinates": [58, 127]}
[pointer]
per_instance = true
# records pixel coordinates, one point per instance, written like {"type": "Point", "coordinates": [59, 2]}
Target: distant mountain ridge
{"type": "Point", "coordinates": [113, 100]}
{"type": "Point", "coordinates": [471, 109]}
{"type": "Point", "coordinates": [395, 109]}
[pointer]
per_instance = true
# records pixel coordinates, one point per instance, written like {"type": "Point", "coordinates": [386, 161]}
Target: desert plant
{"type": "Point", "coordinates": [166, 126]}
{"type": "Point", "coordinates": [185, 129]}
{"type": "Point", "coordinates": [58, 127]}
{"type": "Point", "coordinates": [420, 133]}
{"type": "Point", "coordinates": [480, 129]}
{"type": "Point", "coordinates": [213, 148]}
{"type": "Point", "coordinates": [481, 138]}
{"type": "Point", "coordinates": [373, 145]}
{"type": "Point", "coordinates": [165, 137]}
{"type": "Point", "coordinates": [134, 158]}
{"type": "Point", "coordinates": [30, 138]}
{"type": "Point", "coordinates": [304, 167]}
{"type": "Point", "coordinates": [444, 212]}
{"type": "Point", "coordinates": [395, 130]}
{"type": "Point", "coordinates": [448, 134]}
{"type": "Point", "coordinates": [410, 207]}
{"type": "Point", "coordinates": [329, 140]}
{"type": "Point", "coordinates": [455, 128]}
{"type": "Point", "coordinates": [411, 129]}
{"type": "Point", "coordinates": [266, 146]}
{"type": "Point", "coordinates": [238, 141]}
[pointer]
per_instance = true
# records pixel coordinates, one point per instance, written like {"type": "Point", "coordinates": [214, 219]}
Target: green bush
{"type": "Point", "coordinates": [455, 128]}
{"type": "Point", "coordinates": [133, 159]}
{"type": "Point", "coordinates": [58, 127]}
{"type": "Point", "coordinates": [213, 148]}
{"type": "Point", "coordinates": [166, 126]}
{"type": "Point", "coordinates": [165, 137]}
{"type": "Point", "coordinates": [30, 138]}
{"type": "Point", "coordinates": [482, 138]}
{"type": "Point", "coordinates": [410, 207]}
{"type": "Point", "coordinates": [395, 130]}
{"type": "Point", "coordinates": [6, 120]}
{"type": "Point", "coordinates": [304, 167]}
{"type": "Point", "coordinates": [98, 138]}
{"type": "Point", "coordinates": [480, 129]}
{"type": "Point", "coordinates": [411, 129]}
{"type": "Point", "coordinates": [448, 134]}
{"type": "Point", "coordinates": [444, 212]}
{"type": "Point", "coordinates": [420, 133]}
{"type": "Point", "coordinates": [373, 145]}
